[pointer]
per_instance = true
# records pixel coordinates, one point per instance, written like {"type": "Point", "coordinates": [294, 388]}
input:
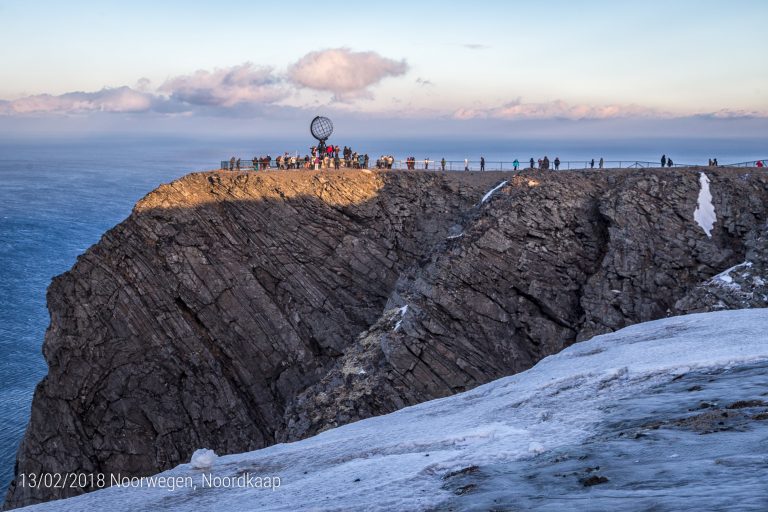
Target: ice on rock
{"type": "Point", "coordinates": [402, 311]}
{"type": "Point", "coordinates": [724, 278]}
{"type": "Point", "coordinates": [488, 195]}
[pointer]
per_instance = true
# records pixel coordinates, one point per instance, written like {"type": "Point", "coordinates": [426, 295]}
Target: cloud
{"type": "Point", "coordinates": [424, 83]}
{"type": "Point", "coordinates": [557, 110]}
{"type": "Point", "coordinates": [143, 84]}
{"type": "Point", "coordinates": [345, 73]}
{"type": "Point", "coordinates": [119, 99]}
{"type": "Point", "coordinates": [226, 87]}
{"type": "Point", "coordinates": [727, 113]}
{"type": "Point", "coordinates": [475, 46]}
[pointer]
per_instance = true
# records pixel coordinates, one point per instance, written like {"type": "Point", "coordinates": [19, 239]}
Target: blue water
{"type": "Point", "coordinates": [57, 198]}
{"type": "Point", "coordinates": [55, 201]}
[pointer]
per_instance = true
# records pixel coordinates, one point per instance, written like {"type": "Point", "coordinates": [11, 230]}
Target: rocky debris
{"type": "Point", "coordinates": [593, 480]}
{"type": "Point", "coordinates": [741, 286]}
{"type": "Point", "coordinates": [234, 311]}
{"type": "Point", "coordinates": [463, 481]}
{"type": "Point", "coordinates": [711, 420]}
{"type": "Point", "coordinates": [743, 404]}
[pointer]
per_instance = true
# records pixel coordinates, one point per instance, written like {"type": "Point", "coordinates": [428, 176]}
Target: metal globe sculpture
{"type": "Point", "coordinates": [321, 128]}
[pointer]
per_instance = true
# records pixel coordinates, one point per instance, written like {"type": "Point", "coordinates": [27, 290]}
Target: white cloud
{"type": "Point", "coordinates": [476, 46]}
{"type": "Point", "coordinates": [250, 91]}
{"type": "Point", "coordinates": [120, 99]}
{"type": "Point", "coordinates": [557, 109]}
{"type": "Point", "coordinates": [345, 73]}
{"type": "Point", "coordinates": [226, 87]}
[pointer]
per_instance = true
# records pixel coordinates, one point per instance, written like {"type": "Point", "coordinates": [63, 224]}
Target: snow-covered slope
{"type": "Point", "coordinates": [666, 415]}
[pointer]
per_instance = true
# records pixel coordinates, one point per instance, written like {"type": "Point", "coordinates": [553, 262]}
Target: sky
{"type": "Point", "coordinates": [588, 67]}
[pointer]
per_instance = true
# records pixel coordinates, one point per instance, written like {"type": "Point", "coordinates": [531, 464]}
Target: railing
{"type": "Point", "coordinates": [508, 165]}
{"type": "Point", "coordinates": [475, 165]}
{"type": "Point", "coordinates": [753, 163]}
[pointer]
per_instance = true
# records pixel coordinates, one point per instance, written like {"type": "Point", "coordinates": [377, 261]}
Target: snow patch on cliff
{"type": "Point", "coordinates": [704, 215]}
{"type": "Point", "coordinates": [724, 278]}
{"type": "Point", "coordinates": [488, 194]}
{"type": "Point", "coordinates": [402, 311]}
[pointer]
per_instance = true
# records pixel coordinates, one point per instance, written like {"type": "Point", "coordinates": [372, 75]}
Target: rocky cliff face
{"type": "Point", "coordinates": [233, 311]}
{"type": "Point", "coordinates": [742, 286]}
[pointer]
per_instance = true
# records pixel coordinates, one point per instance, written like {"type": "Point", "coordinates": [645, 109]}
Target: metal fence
{"type": "Point", "coordinates": [753, 163]}
{"type": "Point", "coordinates": [475, 165]}
{"type": "Point", "coordinates": [509, 165]}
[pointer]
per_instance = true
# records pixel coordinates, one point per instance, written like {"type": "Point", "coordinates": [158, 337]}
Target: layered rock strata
{"type": "Point", "coordinates": [235, 310]}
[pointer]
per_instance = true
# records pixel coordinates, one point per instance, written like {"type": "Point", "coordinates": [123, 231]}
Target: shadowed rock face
{"type": "Point", "coordinates": [742, 286]}
{"type": "Point", "coordinates": [231, 311]}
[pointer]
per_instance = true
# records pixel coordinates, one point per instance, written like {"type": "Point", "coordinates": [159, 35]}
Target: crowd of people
{"type": "Point", "coordinates": [385, 162]}
{"type": "Point", "coordinates": [329, 157]}
{"type": "Point", "coordinates": [334, 157]}
{"type": "Point", "coordinates": [410, 163]}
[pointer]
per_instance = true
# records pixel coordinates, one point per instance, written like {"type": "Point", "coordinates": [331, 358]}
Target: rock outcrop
{"type": "Point", "coordinates": [547, 262]}
{"type": "Point", "coordinates": [233, 311]}
{"type": "Point", "coordinates": [742, 286]}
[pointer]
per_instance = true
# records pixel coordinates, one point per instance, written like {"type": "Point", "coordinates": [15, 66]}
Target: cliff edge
{"type": "Point", "coordinates": [236, 310]}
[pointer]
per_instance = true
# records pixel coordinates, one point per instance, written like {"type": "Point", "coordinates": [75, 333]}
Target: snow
{"type": "Point", "coordinates": [704, 215]}
{"type": "Point", "coordinates": [724, 278]}
{"type": "Point", "coordinates": [203, 458]}
{"type": "Point", "coordinates": [402, 311]}
{"type": "Point", "coordinates": [490, 192]}
{"type": "Point", "coordinates": [526, 442]}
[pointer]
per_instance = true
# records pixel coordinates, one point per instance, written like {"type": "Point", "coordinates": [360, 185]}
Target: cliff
{"type": "Point", "coordinates": [233, 311]}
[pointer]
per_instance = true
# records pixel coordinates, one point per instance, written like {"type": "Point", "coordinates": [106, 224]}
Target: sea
{"type": "Point", "coordinates": [57, 197]}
